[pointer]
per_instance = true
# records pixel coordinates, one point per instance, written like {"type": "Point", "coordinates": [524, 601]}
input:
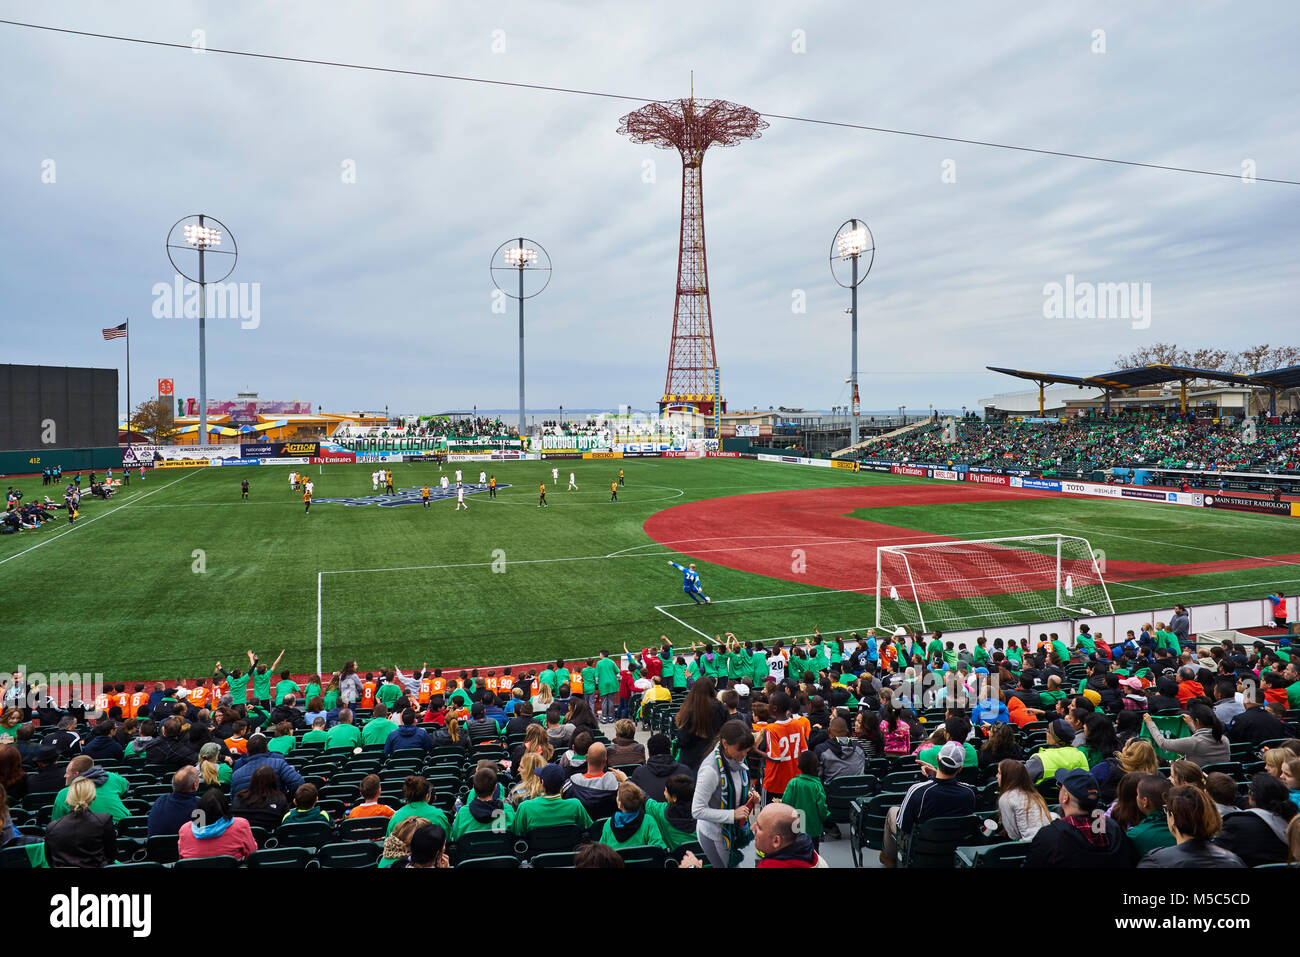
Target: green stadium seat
{"type": "Point", "coordinates": [281, 857]}
{"type": "Point", "coordinates": [557, 837]}
{"type": "Point", "coordinates": [503, 861]}
{"type": "Point", "coordinates": [363, 828]}
{"type": "Point", "coordinates": [311, 834]}
{"type": "Point", "coordinates": [553, 860]}
{"type": "Point", "coordinates": [224, 861]}
{"type": "Point", "coordinates": [647, 857]}
{"type": "Point", "coordinates": [162, 848]}
{"type": "Point", "coordinates": [474, 844]}
{"type": "Point", "coordinates": [1005, 855]}
{"type": "Point", "coordinates": [935, 842]}
{"type": "Point", "coordinates": [348, 854]}
{"type": "Point", "coordinates": [843, 791]}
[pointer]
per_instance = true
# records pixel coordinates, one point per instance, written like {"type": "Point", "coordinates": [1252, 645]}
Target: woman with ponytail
{"type": "Point", "coordinates": [81, 838]}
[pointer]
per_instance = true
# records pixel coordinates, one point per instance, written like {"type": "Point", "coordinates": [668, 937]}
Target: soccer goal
{"type": "Point", "coordinates": [988, 582]}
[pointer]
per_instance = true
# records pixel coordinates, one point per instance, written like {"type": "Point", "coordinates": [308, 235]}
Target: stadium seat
{"type": "Point", "coordinates": [556, 837]}
{"type": "Point", "coordinates": [148, 865]}
{"type": "Point", "coordinates": [934, 842]}
{"type": "Point", "coordinates": [503, 861]}
{"type": "Point", "coordinates": [842, 791]}
{"type": "Point", "coordinates": [646, 857]}
{"type": "Point", "coordinates": [553, 860]}
{"type": "Point", "coordinates": [137, 825]}
{"type": "Point", "coordinates": [1005, 854]}
{"type": "Point", "coordinates": [311, 834]}
{"type": "Point", "coordinates": [15, 858]}
{"type": "Point", "coordinates": [162, 849]}
{"type": "Point", "coordinates": [283, 857]}
{"type": "Point", "coordinates": [348, 854]}
{"type": "Point", "coordinates": [203, 863]}
{"type": "Point", "coordinates": [363, 828]}
{"type": "Point", "coordinates": [474, 844]}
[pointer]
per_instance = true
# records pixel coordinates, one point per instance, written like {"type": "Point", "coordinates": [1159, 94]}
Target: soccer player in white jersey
{"type": "Point", "coordinates": [374, 480]}
{"type": "Point", "coordinates": [293, 480]}
{"type": "Point", "coordinates": [555, 474]}
{"type": "Point", "coordinates": [573, 486]}
{"type": "Point", "coordinates": [460, 498]}
{"type": "Point", "coordinates": [458, 476]}
{"type": "Point", "coordinates": [311, 486]}
{"type": "Point", "coordinates": [443, 482]}
{"type": "Point", "coordinates": [482, 478]}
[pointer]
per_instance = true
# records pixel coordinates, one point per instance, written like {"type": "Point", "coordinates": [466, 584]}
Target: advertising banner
{"type": "Point", "coordinates": [602, 455]}
{"type": "Point", "coordinates": [334, 458]}
{"type": "Point", "coordinates": [909, 470]}
{"type": "Point", "coordinates": [635, 447]}
{"type": "Point", "coordinates": [166, 387]}
{"type": "Point", "coordinates": [946, 475]}
{"type": "Point", "coordinates": [1240, 503]}
{"type": "Point", "coordinates": [687, 455]}
{"type": "Point", "coordinates": [847, 465]}
{"type": "Point", "coordinates": [1148, 494]}
{"type": "Point", "coordinates": [185, 463]}
{"type": "Point", "coordinates": [574, 454]}
{"type": "Point", "coordinates": [983, 479]}
{"type": "Point", "coordinates": [1043, 484]}
{"type": "Point", "coordinates": [238, 461]}
{"type": "Point", "coordinates": [258, 450]}
{"type": "Point", "coordinates": [640, 455]}
{"type": "Point", "coordinates": [747, 431]}
{"type": "Point", "coordinates": [1088, 488]}
{"type": "Point", "coordinates": [305, 449]}
{"type": "Point", "coordinates": [285, 461]}
{"type": "Point", "coordinates": [722, 455]}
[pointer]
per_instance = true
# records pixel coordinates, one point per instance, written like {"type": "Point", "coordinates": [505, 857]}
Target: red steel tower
{"type": "Point", "coordinates": [691, 126]}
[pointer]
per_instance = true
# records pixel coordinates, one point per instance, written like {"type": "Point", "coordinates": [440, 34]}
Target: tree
{"type": "Point", "coordinates": [154, 418]}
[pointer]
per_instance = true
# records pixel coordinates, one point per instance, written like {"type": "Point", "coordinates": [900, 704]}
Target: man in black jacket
{"type": "Point", "coordinates": [171, 749]}
{"type": "Point", "coordinates": [288, 711]}
{"type": "Point", "coordinates": [1255, 724]}
{"type": "Point", "coordinates": [658, 768]}
{"type": "Point", "coordinates": [102, 743]}
{"type": "Point", "coordinates": [1084, 836]}
{"type": "Point", "coordinates": [171, 811]}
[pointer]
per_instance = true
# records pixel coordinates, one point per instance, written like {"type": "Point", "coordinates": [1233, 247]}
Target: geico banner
{"type": "Point", "coordinates": [909, 470]}
{"type": "Point", "coordinates": [602, 455]}
{"type": "Point", "coordinates": [946, 475]}
{"type": "Point", "coordinates": [981, 478]}
{"type": "Point", "coordinates": [643, 447]}
{"type": "Point", "coordinates": [848, 466]}
{"type": "Point", "coordinates": [306, 449]}
{"type": "Point", "coordinates": [1241, 503]}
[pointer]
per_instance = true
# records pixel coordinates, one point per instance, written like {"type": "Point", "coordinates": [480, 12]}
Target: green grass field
{"type": "Point", "coordinates": [177, 572]}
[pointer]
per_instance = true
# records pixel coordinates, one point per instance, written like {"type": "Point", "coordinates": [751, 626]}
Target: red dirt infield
{"type": "Point", "coordinates": [757, 533]}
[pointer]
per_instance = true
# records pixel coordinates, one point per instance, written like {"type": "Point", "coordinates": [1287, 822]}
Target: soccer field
{"type": "Point", "coordinates": [177, 572]}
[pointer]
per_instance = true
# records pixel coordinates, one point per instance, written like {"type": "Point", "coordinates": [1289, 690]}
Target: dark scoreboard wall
{"type": "Point", "coordinates": [80, 404]}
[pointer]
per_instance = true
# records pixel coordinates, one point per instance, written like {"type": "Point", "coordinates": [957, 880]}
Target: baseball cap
{"type": "Point", "coordinates": [1134, 683]}
{"type": "Point", "coordinates": [741, 689]}
{"type": "Point", "coordinates": [1079, 782]}
{"type": "Point", "coordinates": [1063, 730]}
{"type": "Point", "coordinates": [552, 775]}
{"type": "Point", "coordinates": [952, 756]}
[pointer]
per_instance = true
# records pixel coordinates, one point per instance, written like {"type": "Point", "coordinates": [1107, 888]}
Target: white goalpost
{"type": "Point", "coordinates": [988, 582]}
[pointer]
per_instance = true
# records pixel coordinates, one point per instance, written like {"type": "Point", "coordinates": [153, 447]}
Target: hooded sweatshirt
{"type": "Point", "coordinates": [799, 853]}
{"type": "Point", "coordinates": [480, 815]}
{"type": "Point", "coordinates": [632, 830]}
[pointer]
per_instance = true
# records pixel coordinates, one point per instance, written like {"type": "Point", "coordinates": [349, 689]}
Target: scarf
{"type": "Point", "coordinates": [395, 848]}
{"type": "Point", "coordinates": [735, 837]}
{"type": "Point", "coordinates": [216, 829]}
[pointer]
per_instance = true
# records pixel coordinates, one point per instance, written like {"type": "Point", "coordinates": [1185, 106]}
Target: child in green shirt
{"type": "Point", "coordinates": [286, 686]}
{"type": "Point", "coordinates": [630, 825]}
{"type": "Point", "coordinates": [304, 807]}
{"type": "Point", "coordinates": [807, 796]}
{"type": "Point", "coordinates": [676, 825]}
{"type": "Point", "coordinates": [283, 742]}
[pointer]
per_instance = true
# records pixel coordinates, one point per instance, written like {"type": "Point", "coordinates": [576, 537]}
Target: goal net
{"type": "Point", "coordinates": [988, 582]}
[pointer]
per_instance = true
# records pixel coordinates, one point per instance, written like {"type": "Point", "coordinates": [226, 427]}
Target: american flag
{"type": "Point", "coordinates": [117, 332]}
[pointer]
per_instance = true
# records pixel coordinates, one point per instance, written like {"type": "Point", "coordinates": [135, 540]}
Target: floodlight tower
{"type": "Point", "coordinates": [691, 126]}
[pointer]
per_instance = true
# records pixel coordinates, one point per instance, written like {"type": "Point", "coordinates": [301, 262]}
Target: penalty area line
{"type": "Point", "coordinates": [708, 638]}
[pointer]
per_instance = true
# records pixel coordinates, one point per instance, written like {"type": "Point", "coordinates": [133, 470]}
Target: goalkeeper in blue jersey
{"type": "Point", "coordinates": [691, 584]}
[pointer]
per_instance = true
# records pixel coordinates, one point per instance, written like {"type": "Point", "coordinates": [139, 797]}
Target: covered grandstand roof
{"type": "Point", "coordinates": [1041, 376]}
{"type": "Point", "coordinates": [1159, 373]}
{"type": "Point", "coordinates": [1288, 378]}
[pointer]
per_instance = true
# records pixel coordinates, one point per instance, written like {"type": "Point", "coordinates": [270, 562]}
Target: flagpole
{"type": "Point", "coordinates": [128, 383]}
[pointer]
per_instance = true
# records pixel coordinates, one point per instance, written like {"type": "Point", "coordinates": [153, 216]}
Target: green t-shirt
{"type": "Point", "coordinates": [389, 693]}
{"type": "Point", "coordinates": [466, 822]}
{"type": "Point", "coordinates": [315, 736]}
{"type": "Point", "coordinates": [331, 700]}
{"type": "Point", "coordinates": [343, 736]}
{"type": "Point", "coordinates": [434, 815]}
{"type": "Point", "coordinates": [807, 795]}
{"type": "Point", "coordinates": [1015, 653]}
{"type": "Point", "coordinates": [547, 677]}
{"type": "Point", "coordinates": [667, 670]}
{"type": "Point", "coordinates": [673, 837]}
{"type": "Point", "coordinates": [1061, 650]}
{"type": "Point", "coordinates": [548, 810]}
{"type": "Point", "coordinates": [285, 688]}
{"type": "Point", "coordinates": [795, 668]}
{"type": "Point", "coordinates": [589, 680]}
{"type": "Point", "coordinates": [261, 684]}
{"type": "Point", "coordinates": [607, 676]}
{"type": "Point", "coordinates": [950, 657]}
{"type": "Point", "coordinates": [1151, 832]}
{"type": "Point", "coordinates": [1086, 643]}
{"type": "Point", "coordinates": [1293, 695]}
{"type": "Point", "coordinates": [1167, 639]}
{"type": "Point", "coordinates": [108, 799]}
{"type": "Point", "coordinates": [1049, 699]}
{"type": "Point", "coordinates": [646, 833]}
{"type": "Point", "coordinates": [311, 691]}
{"type": "Point", "coordinates": [980, 656]}
{"type": "Point", "coordinates": [377, 730]}
{"type": "Point", "coordinates": [561, 677]}
{"type": "Point", "coordinates": [758, 669]}
{"type": "Point", "coordinates": [934, 650]}
{"type": "Point", "coordinates": [281, 744]}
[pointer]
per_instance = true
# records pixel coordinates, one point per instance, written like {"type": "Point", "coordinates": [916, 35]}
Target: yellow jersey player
{"type": "Point", "coordinates": [620, 477]}
{"type": "Point", "coordinates": [424, 494]}
{"type": "Point", "coordinates": [542, 501]}
{"type": "Point", "coordinates": [613, 491]}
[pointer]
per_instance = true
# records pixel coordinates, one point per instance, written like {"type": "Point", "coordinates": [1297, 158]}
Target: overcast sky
{"type": "Point", "coordinates": [377, 291]}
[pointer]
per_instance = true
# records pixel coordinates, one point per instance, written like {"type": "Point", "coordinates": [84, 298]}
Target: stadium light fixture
{"type": "Point", "coordinates": [853, 243]}
{"type": "Point", "coordinates": [524, 258]}
{"type": "Point", "coordinates": [196, 234]}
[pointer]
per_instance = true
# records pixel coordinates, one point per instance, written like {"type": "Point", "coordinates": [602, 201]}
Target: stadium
{"type": "Point", "coordinates": [1047, 628]}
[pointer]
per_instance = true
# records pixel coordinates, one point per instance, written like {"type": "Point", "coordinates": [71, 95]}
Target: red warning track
{"type": "Point", "coordinates": [757, 533]}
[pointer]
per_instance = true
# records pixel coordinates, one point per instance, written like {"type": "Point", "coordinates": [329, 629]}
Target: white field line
{"type": "Point", "coordinates": [91, 521]}
{"type": "Point", "coordinates": [708, 638]}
